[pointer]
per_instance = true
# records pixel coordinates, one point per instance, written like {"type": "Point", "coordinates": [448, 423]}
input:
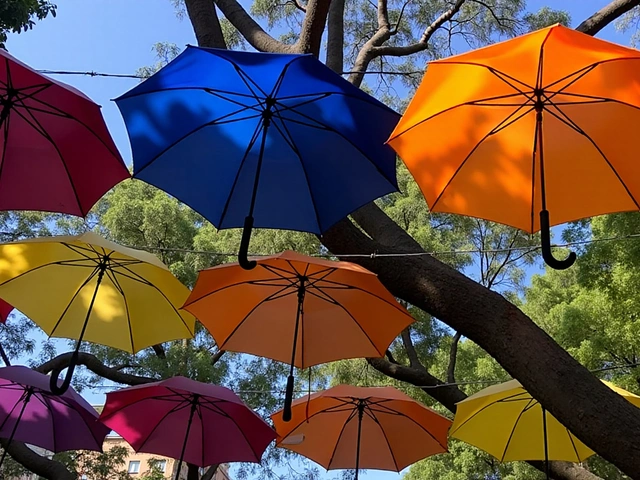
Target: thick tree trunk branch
{"type": "Point", "coordinates": [606, 15]}
{"type": "Point", "coordinates": [211, 471]}
{"type": "Point", "coordinates": [206, 26]}
{"type": "Point", "coordinates": [249, 28]}
{"type": "Point", "coordinates": [159, 351]}
{"type": "Point", "coordinates": [563, 386]}
{"type": "Point", "coordinates": [96, 366]}
{"type": "Point", "coordinates": [41, 466]}
{"type": "Point", "coordinates": [335, 36]}
{"type": "Point", "coordinates": [315, 20]}
{"type": "Point", "coordinates": [4, 356]}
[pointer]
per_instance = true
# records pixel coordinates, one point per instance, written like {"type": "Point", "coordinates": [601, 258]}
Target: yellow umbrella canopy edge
{"type": "Point", "coordinates": [88, 288]}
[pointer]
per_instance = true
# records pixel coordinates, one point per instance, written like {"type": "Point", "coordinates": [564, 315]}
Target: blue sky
{"type": "Point", "coordinates": [117, 36]}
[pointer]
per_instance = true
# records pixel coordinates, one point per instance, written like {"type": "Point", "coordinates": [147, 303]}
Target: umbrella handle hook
{"type": "Point", "coordinates": [55, 373]}
{"type": "Point", "coordinates": [547, 255]}
{"type": "Point", "coordinates": [243, 259]}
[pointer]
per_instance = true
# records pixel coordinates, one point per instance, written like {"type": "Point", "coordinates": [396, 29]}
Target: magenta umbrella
{"type": "Point", "coordinates": [30, 413]}
{"type": "Point", "coordinates": [195, 422]}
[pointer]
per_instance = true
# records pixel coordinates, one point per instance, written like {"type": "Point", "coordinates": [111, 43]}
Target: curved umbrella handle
{"type": "Point", "coordinates": [55, 373]}
{"type": "Point", "coordinates": [547, 255]}
{"type": "Point", "coordinates": [243, 259]}
{"type": "Point", "coordinates": [288, 398]}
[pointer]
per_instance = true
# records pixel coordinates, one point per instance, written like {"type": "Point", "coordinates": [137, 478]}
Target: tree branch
{"type": "Point", "coordinates": [41, 466]}
{"type": "Point", "coordinates": [410, 348]}
{"type": "Point", "coordinates": [211, 471]}
{"type": "Point", "coordinates": [4, 356]}
{"type": "Point", "coordinates": [249, 28]}
{"type": "Point", "coordinates": [217, 356]}
{"type": "Point", "coordinates": [453, 358]}
{"type": "Point", "coordinates": [96, 366]}
{"type": "Point", "coordinates": [206, 26]}
{"type": "Point", "coordinates": [310, 38]}
{"type": "Point", "coordinates": [159, 351]}
{"type": "Point", "coordinates": [423, 43]}
{"type": "Point", "coordinates": [335, 36]}
{"type": "Point", "coordinates": [606, 15]}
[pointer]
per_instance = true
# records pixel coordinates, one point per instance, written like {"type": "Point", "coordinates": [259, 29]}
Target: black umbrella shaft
{"type": "Point", "coordinates": [25, 400]}
{"type": "Point", "coordinates": [299, 318]}
{"type": "Point", "coordinates": [194, 406]}
{"type": "Point", "coordinates": [266, 121]}
{"type": "Point", "coordinates": [539, 148]}
{"type": "Point", "coordinates": [103, 268]}
{"type": "Point", "coordinates": [546, 446]}
{"type": "Point", "coordinates": [360, 415]}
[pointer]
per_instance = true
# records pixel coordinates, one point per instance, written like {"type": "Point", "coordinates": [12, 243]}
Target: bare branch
{"type": "Point", "coordinates": [249, 28]}
{"type": "Point", "coordinates": [206, 26]}
{"type": "Point", "coordinates": [453, 358]}
{"type": "Point", "coordinates": [606, 15]}
{"type": "Point", "coordinates": [424, 40]}
{"type": "Point", "coordinates": [41, 466]}
{"type": "Point", "coordinates": [4, 356]}
{"type": "Point", "coordinates": [96, 366]}
{"type": "Point", "coordinates": [410, 348]}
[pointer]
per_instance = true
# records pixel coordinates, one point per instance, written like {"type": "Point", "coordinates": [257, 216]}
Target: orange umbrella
{"type": "Point", "coordinates": [527, 129]}
{"type": "Point", "coordinates": [297, 309]}
{"type": "Point", "coordinates": [362, 427]}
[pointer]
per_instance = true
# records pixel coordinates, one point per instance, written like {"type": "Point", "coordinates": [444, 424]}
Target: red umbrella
{"type": "Point", "coordinates": [56, 154]}
{"type": "Point", "coordinates": [180, 418]}
{"type": "Point", "coordinates": [5, 310]}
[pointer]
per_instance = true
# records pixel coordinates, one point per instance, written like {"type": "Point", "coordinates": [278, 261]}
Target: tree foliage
{"type": "Point", "coordinates": [20, 15]}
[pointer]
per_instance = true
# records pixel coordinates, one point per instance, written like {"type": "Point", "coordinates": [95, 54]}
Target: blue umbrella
{"type": "Point", "coordinates": [259, 139]}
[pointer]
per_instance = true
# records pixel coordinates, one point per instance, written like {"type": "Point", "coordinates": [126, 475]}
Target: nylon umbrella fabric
{"type": "Point", "coordinates": [395, 431]}
{"type": "Point", "coordinates": [505, 421]}
{"type": "Point", "coordinates": [180, 418]}
{"type": "Point", "coordinates": [278, 139]}
{"type": "Point", "coordinates": [31, 414]}
{"type": "Point", "coordinates": [297, 309]}
{"type": "Point", "coordinates": [347, 312]}
{"type": "Point", "coordinates": [527, 126]}
{"type": "Point", "coordinates": [88, 288]}
{"type": "Point", "coordinates": [56, 154]}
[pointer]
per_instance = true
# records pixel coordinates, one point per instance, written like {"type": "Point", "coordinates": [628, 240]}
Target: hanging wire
{"type": "Point", "coordinates": [423, 387]}
{"type": "Point", "coordinates": [528, 249]}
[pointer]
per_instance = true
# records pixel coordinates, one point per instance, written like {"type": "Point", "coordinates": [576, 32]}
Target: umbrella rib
{"type": "Point", "coordinates": [575, 449]}
{"type": "Point", "coordinates": [199, 412]}
{"type": "Point", "coordinates": [221, 96]}
{"type": "Point", "coordinates": [493, 70]}
{"type": "Point", "coordinates": [112, 276]}
{"type": "Point", "coordinates": [283, 73]}
{"type": "Point", "coordinates": [5, 127]}
{"type": "Point", "coordinates": [250, 146]}
{"type": "Point", "coordinates": [218, 290]}
{"type": "Point", "coordinates": [159, 290]}
{"type": "Point", "coordinates": [89, 278]}
{"type": "Point", "coordinates": [577, 128]}
{"type": "Point", "coordinates": [226, 415]}
{"type": "Point", "coordinates": [41, 267]}
{"type": "Point", "coordinates": [515, 425]}
{"type": "Point", "coordinates": [48, 137]}
{"type": "Point", "coordinates": [42, 399]}
{"type": "Point", "coordinates": [127, 96]}
{"type": "Point", "coordinates": [579, 73]}
{"type": "Point", "coordinates": [175, 409]}
{"type": "Point", "coordinates": [296, 151]}
{"type": "Point", "coordinates": [390, 411]}
{"type": "Point", "coordinates": [501, 126]}
{"type": "Point", "coordinates": [357, 323]}
{"type": "Point", "coordinates": [386, 439]}
{"type": "Point", "coordinates": [79, 248]}
{"type": "Point", "coordinates": [75, 119]}
{"type": "Point", "coordinates": [352, 415]}
{"type": "Point", "coordinates": [316, 97]}
{"type": "Point", "coordinates": [292, 279]}
{"type": "Point", "coordinates": [561, 91]}
{"type": "Point", "coordinates": [248, 315]}
{"type": "Point", "coordinates": [339, 134]}
{"type": "Point", "coordinates": [247, 80]}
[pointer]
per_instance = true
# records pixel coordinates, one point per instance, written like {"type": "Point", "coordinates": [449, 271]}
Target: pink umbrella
{"type": "Point", "coordinates": [30, 413]}
{"type": "Point", "coordinates": [56, 154]}
{"type": "Point", "coordinates": [217, 426]}
{"type": "Point", "coordinates": [5, 310]}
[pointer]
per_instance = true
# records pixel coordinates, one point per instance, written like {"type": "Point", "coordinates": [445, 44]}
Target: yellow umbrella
{"type": "Point", "coordinates": [87, 288]}
{"type": "Point", "coordinates": [507, 422]}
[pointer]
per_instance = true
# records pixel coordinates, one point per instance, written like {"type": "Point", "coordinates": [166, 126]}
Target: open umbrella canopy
{"type": "Point", "coordinates": [260, 139]}
{"type": "Point", "coordinates": [30, 413]}
{"type": "Point", "coordinates": [526, 132]}
{"type": "Point", "coordinates": [88, 288]}
{"type": "Point", "coordinates": [56, 154]}
{"type": "Point", "coordinates": [505, 421]}
{"type": "Point", "coordinates": [348, 427]}
{"type": "Point", "coordinates": [192, 421]}
{"type": "Point", "coordinates": [298, 309]}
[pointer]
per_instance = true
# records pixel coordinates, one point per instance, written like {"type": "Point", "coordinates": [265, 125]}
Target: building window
{"type": "Point", "coordinates": [134, 466]}
{"type": "Point", "coordinates": [161, 465]}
